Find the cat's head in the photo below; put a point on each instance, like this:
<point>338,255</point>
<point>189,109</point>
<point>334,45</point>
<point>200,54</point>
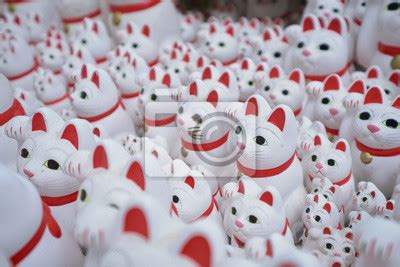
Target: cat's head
<point>177,65</point>
<point>189,26</point>
<point>271,49</point>
<point>73,63</point>
<point>48,87</point>
<point>324,187</point>
<point>36,26</point>
<point>321,51</point>
<point>222,43</point>
<point>249,216</point>
<point>16,56</point>
<point>266,80</point>
<point>388,20</point>
<point>329,108</point>
<point>326,8</point>
<point>390,84</point>
<point>245,75</point>
<point>14,24</point>
<point>307,132</point>
<point>368,197</point>
<point>329,160</point>
<point>376,123</point>
<point>52,54</point>
<point>319,212</point>
<point>139,41</point>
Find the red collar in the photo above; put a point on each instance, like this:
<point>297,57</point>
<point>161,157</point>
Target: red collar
<point>101,60</point>
<point>25,73</point>
<point>104,114</point>
<point>57,72</point>
<point>142,5</point>
<point>226,63</point>
<point>297,112</point>
<point>162,122</point>
<point>16,1</point>
<point>205,147</point>
<point>321,78</point>
<point>131,95</point>
<point>152,63</point>
<point>357,21</point>
<point>16,109</point>
<point>378,152</point>
<point>208,211</point>
<point>332,131</point>
<point>70,84</point>
<point>60,201</point>
<point>47,221</point>
<point>241,244</point>
<point>58,100</point>
<point>266,172</point>
<point>339,183</point>
<point>73,20</point>
<point>388,49</point>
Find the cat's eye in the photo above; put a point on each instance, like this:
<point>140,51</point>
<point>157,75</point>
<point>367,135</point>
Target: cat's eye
<point>250,83</point>
<point>358,193</point>
<point>24,153</point>
<point>180,110</point>
<point>51,56</point>
<point>317,218</point>
<point>114,206</point>
<point>331,162</point>
<point>207,43</point>
<point>175,199</point>
<point>321,6</point>
<point>83,195</point>
<point>391,123</point>
<point>307,210</point>
<point>315,190</point>
<point>238,129</point>
<point>118,68</point>
<point>285,92</point>
<point>123,75</point>
<point>364,116</point>
<point>314,157</point>
<point>153,97</point>
<point>5,61</point>
<point>393,6</point>
<point>364,4</point>
<point>177,71</point>
<point>267,87</point>
<point>329,246</point>
<point>324,47</point>
<point>260,140</point>
<point>52,164</point>
<point>83,41</point>
<point>252,219</point>
<point>135,45</point>
<point>325,100</point>
<point>233,211</point>
<point>197,118</point>
<point>165,67</point>
<point>245,33</point>
<point>326,196</point>
<point>277,54</point>
<point>83,95</point>
<point>221,44</point>
<point>336,10</point>
<point>364,199</point>
<point>300,45</point>
<point>347,249</point>
<point>71,66</point>
<point>260,52</point>
<point>387,91</point>
<point>142,91</point>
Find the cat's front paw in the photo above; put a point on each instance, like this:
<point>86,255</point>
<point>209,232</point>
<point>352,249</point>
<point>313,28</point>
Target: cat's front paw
<point>258,248</point>
<point>230,190</point>
<point>67,114</point>
<point>131,143</point>
<point>314,88</point>
<point>353,100</point>
<point>78,164</point>
<point>17,128</point>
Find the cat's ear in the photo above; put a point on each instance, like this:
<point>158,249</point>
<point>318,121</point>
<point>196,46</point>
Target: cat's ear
<point>212,29</point>
<point>394,78</point>
<point>310,23</point>
<point>327,230</point>
<point>39,122</point>
<point>374,72</point>
<point>84,71</point>
<point>200,62</point>
<point>276,72</point>
<point>167,80</point>
<point>193,88</point>
<point>332,82</point>
<point>338,25</point>
<point>342,145</point>
<point>267,198</point>
<point>390,204</point>
<point>357,87</point>
<point>189,180</point>
<point>135,221</point>
<point>79,133</point>
<point>146,30</point>
<point>373,96</point>
<point>135,174</point>
<point>230,31</point>
<point>95,27</point>
<point>225,79</point>
<point>207,74</point>
<point>198,248</point>
<point>186,58</point>
<point>268,35</point>
<point>348,233</point>
<point>173,54</point>
<point>297,76</point>
<point>129,28</point>
<point>213,98</point>
<point>327,207</point>
<point>70,134</point>
<point>373,194</point>
<point>245,64</point>
<point>271,197</point>
<point>241,188</point>
<point>252,106</point>
<point>317,140</point>
<point>152,74</point>
<point>100,158</point>
<point>278,117</point>
<point>96,79</point>
<point>333,188</point>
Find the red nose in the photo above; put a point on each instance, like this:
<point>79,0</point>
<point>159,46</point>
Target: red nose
<point>239,224</point>
<point>181,122</point>
<point>264,59</point>
<point>372,128</point>
<point>272,97</point>
<point>333,111</point>
<point>306,52</point>
<point>241,146</point>
<point>319,165</point>
<point>28,173</point>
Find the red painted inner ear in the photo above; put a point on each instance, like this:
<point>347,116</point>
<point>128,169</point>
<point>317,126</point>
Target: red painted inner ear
<point>274,73</point>
<point>267,36</point>
<point>96,79</point>
<point>241,187</point>
<point>278,118</point>
<point>327,207</point>
<point>206,74</point>
<point>84,73</point>
<point>341,146</point>
<point>224,79</point>
<point>152,75</point>
<point>100,159</point>
<point>373,96</point>
<point>395,78</point>
<point>245,65</point>
<point>96,132</point>
<point>70,134</point>
<point>136,175</point>
<point>269,252</point>
<point>166,80</point>
<point>332,83</point>
<point>38,123</point>
<point>308,24</point>
<point>146,30</point>
<point>372,73</point>
<point>189,181</point>
<point>316,198</point>
<point>317,140</point>
<point>357,87</point>
<point>267,198</point>
<point>213,98</point>
<point>295,76</point>
<point>198,249</point>
<point>389,205</point>
<point>252,107</point>
<point>327,231</point>
<point>334,25</point>
<point>193,88</point>
<point>135,222</point>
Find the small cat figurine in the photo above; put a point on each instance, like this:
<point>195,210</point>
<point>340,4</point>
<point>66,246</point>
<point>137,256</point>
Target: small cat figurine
<point>245,76</point>
<point>52,54</point>
<point>325,8</point>
<point>307,132</point>
<point>390,83</point>
<point>355,10</point>
<point>368,198</point>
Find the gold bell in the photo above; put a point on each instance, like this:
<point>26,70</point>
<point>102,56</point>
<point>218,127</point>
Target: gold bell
<point>12,7</point>
<point>395,63</point>
<point>146,128</point>
<point>239,174</point>
<point>366,158</point>
<point>331,137</point>
<point>116,18</point>
<point>184,153</point>
<point>66,27</point>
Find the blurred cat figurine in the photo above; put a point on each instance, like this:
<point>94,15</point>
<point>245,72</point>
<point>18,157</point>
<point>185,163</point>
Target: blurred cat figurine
<point>368,198</point>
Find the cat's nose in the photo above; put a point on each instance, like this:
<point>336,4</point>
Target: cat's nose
<point>264,59</point>
<point>372,128</point>
<point>239,224</point>
<point>319,165</point>
<point>211,49</point>
<point>327,14</point>
<point>333,111</point>
<point>181,122</point>
<point>29,174</point>
<point>272,97</point>
<point>306,53</point>
<point>337,254</point>
<point>241,146</point>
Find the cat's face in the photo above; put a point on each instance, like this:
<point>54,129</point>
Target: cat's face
<point>48,87</point>
<point>246,217</point>
<point>327,8</point>
<point>15,58</point>
<point>84,94</point>
<point>51,57</point>
<point>329,108</point>
<point>337,243</point>
<point>319,212</point>
<point>324,187</point>
<point>178,68</point>
<point>388,21</point>
<point>125,77</point>
<point>366,198</point>
<point>359,9</point>
<point>246,83</point>
<point>71,67</point>
<point>222,45</point>
<point>271,52</point>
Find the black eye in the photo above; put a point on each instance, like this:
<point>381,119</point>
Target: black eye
<point>233,211</point>
<point>180,110</point>
<point>251,83</point>
<point>307,210</point>
<point>364,4</point>
<point>114,206</point>
<point>197,118</point>
<point>71,65</point>
<point>83,195</point>
<point>83,41</point>
<point>364,199</point>
<point>321,7</point>
<point>176,70</point>
<point>347,249</point>
<point>260,52</point>
<point>324,47</point>
<point>221,44</point>
<point>135,45</point>
<point>336,10</point>
<point>52,164</point>
<point>317,218</point>
<point>24,153</point>
<point>207,43</point>
<point>325,100</point>
<point>285,92</point>
<point>300,45</point>
<point>393,6</point>
<point>329,246</point>
<point>266,88</point>
<point>123,75</point>
<point>83,95</point>
<point>175,199</point>
<point>238,129</point>
<point>142,91</point>
<point>358,193</point>
<point>326,196</point>
<point>331,162</point>
<point>391,123</point>
<point>364,116</point>
<point>260,140</point>
<point>316,190</point>
<point>51,56</point>
<point>253,219</point>
<point>118,68</point>
<point>387,91</point>
<point>277,54</point>
<point>314,157</point>
<point>153,97</point>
